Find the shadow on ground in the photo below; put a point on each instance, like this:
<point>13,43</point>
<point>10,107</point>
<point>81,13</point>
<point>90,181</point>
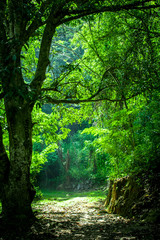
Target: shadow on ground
<point>80,219</point>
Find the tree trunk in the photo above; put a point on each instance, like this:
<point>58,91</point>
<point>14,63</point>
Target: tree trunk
<point>67,168</point>
<point>17,194</point>
<point>4,163</point>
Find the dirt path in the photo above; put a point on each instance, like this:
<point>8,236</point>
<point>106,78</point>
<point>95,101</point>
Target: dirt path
<point>80,219</point>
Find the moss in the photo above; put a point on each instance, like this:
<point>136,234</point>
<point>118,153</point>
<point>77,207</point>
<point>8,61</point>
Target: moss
<point>129,197</point>
<point>122,195</point>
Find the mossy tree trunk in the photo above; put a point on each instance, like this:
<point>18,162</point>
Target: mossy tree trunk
<point>19,99</point>
<point>17,194</point>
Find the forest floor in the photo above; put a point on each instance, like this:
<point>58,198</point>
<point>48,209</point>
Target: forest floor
<point>83,217</point>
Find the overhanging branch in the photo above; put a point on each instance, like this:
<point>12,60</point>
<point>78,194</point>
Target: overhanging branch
<point>37,22</point>
<point>58,15</point>
<point>88,100</point>
<point>43,60</point>
<point>138,5</point>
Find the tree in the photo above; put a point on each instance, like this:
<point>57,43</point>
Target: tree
<point>20,23</point>
<point>124,50</point>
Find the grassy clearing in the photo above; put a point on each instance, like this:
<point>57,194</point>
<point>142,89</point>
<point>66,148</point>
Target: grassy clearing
<point>66,199</point>
<point>64,195</point>
<point>69,198</point>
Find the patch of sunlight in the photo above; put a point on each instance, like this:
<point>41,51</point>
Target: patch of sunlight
<point>72,201</point>
<point>62,198</point>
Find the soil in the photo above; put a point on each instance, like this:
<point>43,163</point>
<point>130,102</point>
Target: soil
<point>81,219</point>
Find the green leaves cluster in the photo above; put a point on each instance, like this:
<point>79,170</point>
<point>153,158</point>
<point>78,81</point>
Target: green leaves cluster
<point>121,55</point>
<point>111,57</point>
<point>120,65</point>
<point>50,126</point>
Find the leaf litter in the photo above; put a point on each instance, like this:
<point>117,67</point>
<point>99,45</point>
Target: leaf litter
<point>78,218</point>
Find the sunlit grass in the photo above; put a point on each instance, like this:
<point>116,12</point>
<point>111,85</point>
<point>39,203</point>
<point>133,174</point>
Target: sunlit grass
<point>63,196</point>
<point>96,194</point>
<point>67,198</point>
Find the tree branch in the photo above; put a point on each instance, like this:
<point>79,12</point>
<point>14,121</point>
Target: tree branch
<point>112,8</point>
<point>3,36</point>
<point>43,62</point>
<point>82,60</point>
<point>58,14</point>
<point>37,22</point>
<point>54,89</point>
<point>77,101</point>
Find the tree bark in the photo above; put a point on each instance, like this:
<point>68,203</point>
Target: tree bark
<point>17,194</point>
<point>4,163</point>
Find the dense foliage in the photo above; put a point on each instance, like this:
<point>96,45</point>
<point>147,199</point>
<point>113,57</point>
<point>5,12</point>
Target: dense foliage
<point>120,61</point>
<point>67,62</point>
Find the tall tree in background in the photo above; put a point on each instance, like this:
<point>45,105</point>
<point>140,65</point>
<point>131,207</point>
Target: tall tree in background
<point>20,21</point>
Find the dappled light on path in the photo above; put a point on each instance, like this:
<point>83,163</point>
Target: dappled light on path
<point>79,218</point>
